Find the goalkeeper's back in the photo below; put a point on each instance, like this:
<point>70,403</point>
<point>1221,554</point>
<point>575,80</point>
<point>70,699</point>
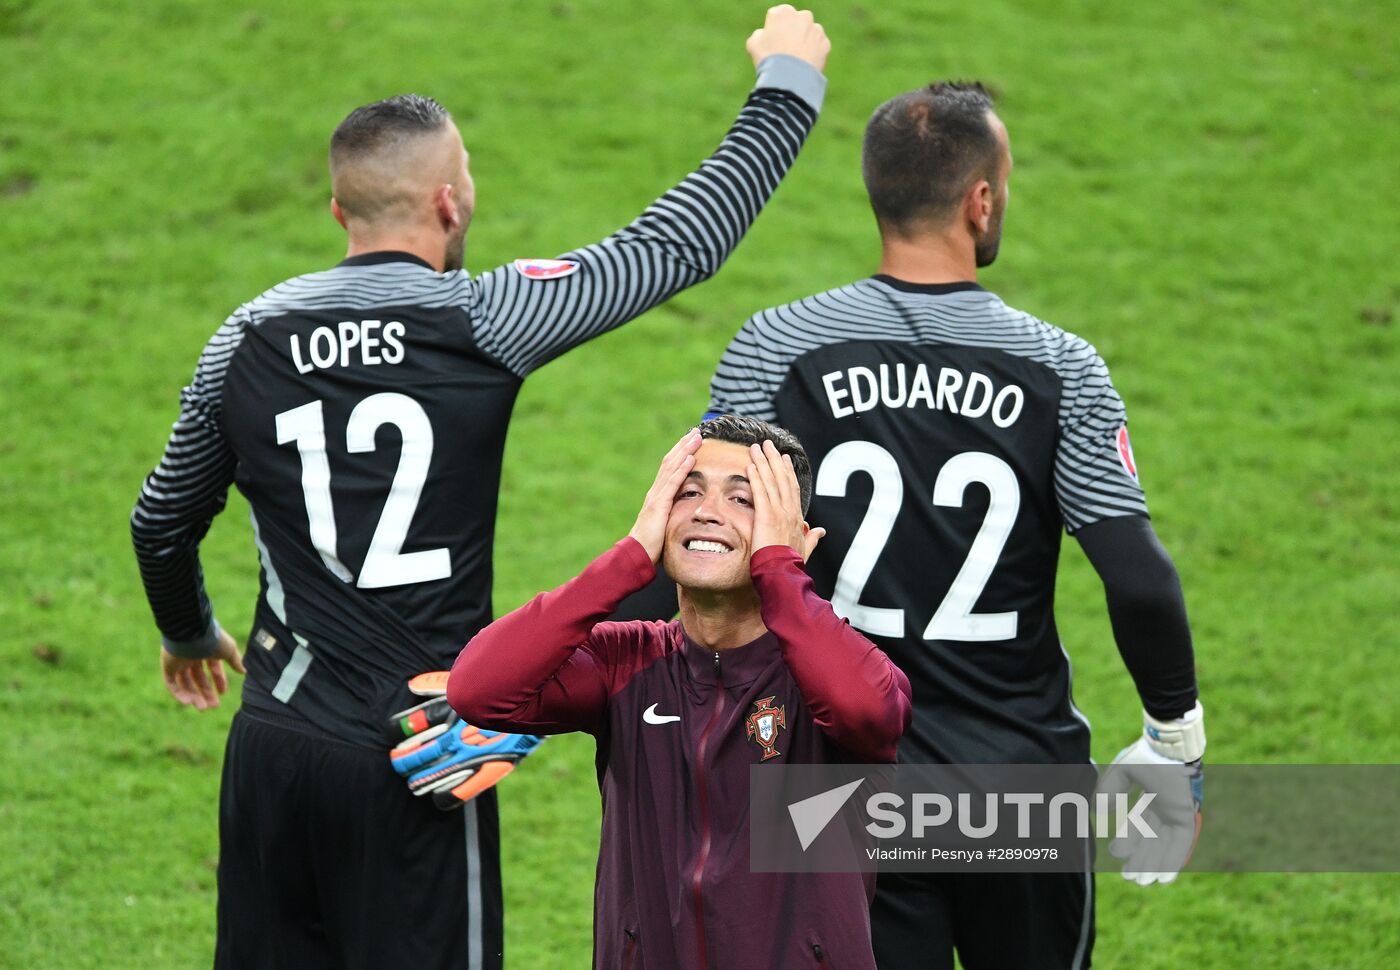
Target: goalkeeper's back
<point>954,438</point>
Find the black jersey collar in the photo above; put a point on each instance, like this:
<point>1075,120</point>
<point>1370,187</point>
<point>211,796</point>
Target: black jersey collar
<point>385,256</point>
<point>935,288</point>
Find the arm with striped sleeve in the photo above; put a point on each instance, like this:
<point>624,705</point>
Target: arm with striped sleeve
<point>178,503</point>
<point>1103,506</point>
<point>749,373</point>
<point>1095,477</point>
<point>681,239</point>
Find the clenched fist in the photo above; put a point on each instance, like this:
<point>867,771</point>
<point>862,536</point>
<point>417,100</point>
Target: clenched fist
<point>790,31</point>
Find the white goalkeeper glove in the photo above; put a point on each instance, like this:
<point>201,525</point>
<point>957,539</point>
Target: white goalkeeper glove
<point>1166,762</point>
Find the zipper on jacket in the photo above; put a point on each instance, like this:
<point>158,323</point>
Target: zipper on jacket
<point>701,786</point>
<point>820,954</point>
<point>630,950</point>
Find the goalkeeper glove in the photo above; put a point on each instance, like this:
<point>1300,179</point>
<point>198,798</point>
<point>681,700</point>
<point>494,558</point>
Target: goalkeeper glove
<point>441,755</point>
<point>1166,762</point>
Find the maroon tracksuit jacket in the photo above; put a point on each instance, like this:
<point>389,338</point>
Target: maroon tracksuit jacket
<point>674,890</point>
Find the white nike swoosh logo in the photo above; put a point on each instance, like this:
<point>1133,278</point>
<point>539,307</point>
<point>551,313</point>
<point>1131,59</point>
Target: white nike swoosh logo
<point>651,717</point>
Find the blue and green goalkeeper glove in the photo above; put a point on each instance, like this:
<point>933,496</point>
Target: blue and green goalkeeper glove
<point>441,755</point>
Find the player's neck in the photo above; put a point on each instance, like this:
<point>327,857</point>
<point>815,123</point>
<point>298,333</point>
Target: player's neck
<point>425,245</point>
<point>721,620</point>
<point>932,258</point>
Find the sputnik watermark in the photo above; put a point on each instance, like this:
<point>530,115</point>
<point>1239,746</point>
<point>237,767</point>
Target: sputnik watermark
<point>818,818</point>
<point>893,817</point>
<point>929,810</point>
<point>1067,818</point>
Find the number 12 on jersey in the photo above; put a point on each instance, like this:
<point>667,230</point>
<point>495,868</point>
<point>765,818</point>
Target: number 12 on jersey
<point>954,618</point>
<point>385,564</point>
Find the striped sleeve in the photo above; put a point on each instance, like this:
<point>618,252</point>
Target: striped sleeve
<point>758,360</point>
<point>748,376</point>
<point>180,499</point>
<point>680,240</point>
<point>1095,477</point>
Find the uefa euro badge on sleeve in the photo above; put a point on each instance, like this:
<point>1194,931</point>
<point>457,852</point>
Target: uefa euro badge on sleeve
<point>441,755</point>
<point>545,269</point>
<point>1125,452</point>
<point>1165,764</point>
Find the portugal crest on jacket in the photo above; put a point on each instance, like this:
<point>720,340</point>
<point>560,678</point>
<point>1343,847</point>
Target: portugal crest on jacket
<point>763,725</point>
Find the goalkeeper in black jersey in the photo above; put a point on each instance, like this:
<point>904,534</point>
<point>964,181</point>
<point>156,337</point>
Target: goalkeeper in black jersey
<point>955,438</point>
<point>362,411</point>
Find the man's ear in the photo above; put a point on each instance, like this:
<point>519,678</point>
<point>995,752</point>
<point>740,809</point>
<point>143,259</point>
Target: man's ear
<point>339,214</point>
<point>978,205</point>
<point>446,206</point>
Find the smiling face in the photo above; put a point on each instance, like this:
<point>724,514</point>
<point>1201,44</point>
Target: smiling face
<point>709,533</point>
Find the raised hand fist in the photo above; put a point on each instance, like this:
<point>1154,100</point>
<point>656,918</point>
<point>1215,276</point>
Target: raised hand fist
<point>790,31</point>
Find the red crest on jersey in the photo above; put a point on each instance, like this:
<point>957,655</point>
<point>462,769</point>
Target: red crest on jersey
<point>1125,452</point>
<point>545,269</point>
<point>763,724</point>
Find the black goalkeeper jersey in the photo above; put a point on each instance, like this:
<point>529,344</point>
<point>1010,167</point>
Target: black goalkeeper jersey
<point>953,439</point>
<point>363,410</point>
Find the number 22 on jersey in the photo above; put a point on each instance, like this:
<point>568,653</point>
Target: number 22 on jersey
<point>385,563</point>
<point>954,618</point>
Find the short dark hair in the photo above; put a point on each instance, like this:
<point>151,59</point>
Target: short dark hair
<point>925,148</point>
<point>373,126</point>
<point>751,431</point>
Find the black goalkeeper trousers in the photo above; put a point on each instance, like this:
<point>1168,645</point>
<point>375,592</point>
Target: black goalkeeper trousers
<point>995,921</point>
<point>326,861</point>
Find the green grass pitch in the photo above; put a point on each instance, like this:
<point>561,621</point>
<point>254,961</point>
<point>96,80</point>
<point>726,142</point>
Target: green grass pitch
<point>1207,191</point>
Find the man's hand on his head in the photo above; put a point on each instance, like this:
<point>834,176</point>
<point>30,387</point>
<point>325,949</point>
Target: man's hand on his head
<point>650,528</point>
<point>777,503</point>
<point>789,31</point>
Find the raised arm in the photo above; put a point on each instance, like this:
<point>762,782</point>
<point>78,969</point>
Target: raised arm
<point>682,237</point>
<point>857,695</point>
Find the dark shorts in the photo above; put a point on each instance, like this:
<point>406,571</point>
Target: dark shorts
<point>995,921</point>
<point>326,861</point>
